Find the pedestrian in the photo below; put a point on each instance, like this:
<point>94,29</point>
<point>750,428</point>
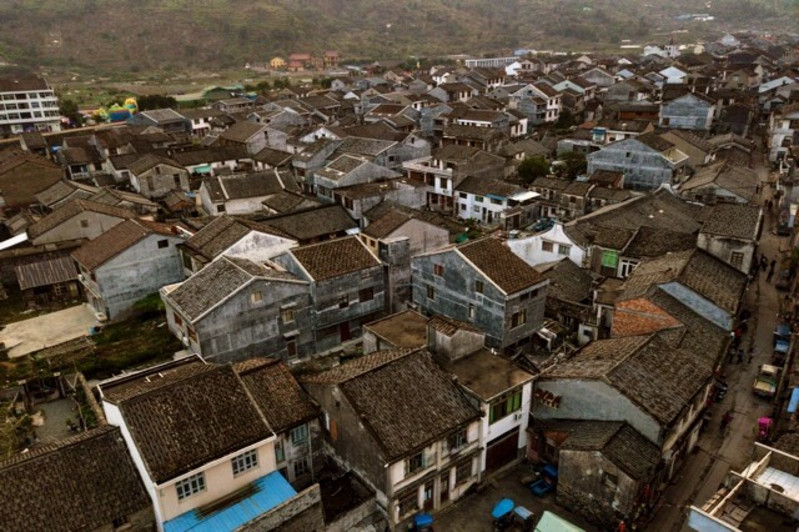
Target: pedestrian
<point>770,205</point>
<point>770,271</point>
<point>763,262</point>
<point>751,355</point>
<point>740,356</point>
<point>725,420</point>
<point>757,189</point>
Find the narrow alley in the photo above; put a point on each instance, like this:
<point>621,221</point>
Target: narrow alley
<point>716,452</point>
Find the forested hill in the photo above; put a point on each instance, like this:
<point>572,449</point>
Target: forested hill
<point>192,34</point>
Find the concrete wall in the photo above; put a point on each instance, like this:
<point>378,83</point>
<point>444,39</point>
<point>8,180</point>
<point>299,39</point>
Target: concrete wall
<point>139,271</point>
<point>96,225</point>
<point>595,400</point>
<point>531,250</point>
<point>307,451</point>
<point>687,112</point>
<point>643,167</point>
<point>159,180</point>
<point>454,295</point>
<point>301,513</point>
<point>582,487</point>
<point>505,425</point>
<point>723,248</point>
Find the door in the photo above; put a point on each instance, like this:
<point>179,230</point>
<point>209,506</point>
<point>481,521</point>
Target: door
<point>428,503</point>
<point>344,331</point>
<point>502,450</point>
<point>291,348</point>
<point>444,488</point>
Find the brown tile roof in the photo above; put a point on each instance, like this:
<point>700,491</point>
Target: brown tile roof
<point>23,175</point>
<point>568,282</point>
<point>737,179</point>
<point>656,242</point>
<point>242,131</point>
<point>333,258</point>
<point>277,394</point>
<point>635,317</point>
<point>654,141</point>
<point>82,483</point>
<point>223,232</point>
<point>732,220</point>
<point>510,273</point>
<point>405,400</point>
<point>46,272</point>
<point>450,326</point>
<point>116,240</point>
<point>311,224</point>
<point>74,208</point>
<point>189,422</point>
<point>403,329</point>
<point>386,224</point>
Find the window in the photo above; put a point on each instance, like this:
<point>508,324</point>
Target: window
<point>366,294</point>
<point>666,121</point>
<point>220,207</point>
<point>431,292</point>
<point>414,463</point>
<point>299,435</point>
<point>476,208</point>
<point>471,311</point>
<point>343,301</point>
<point>256,296</point>
<point>479,287</point>
<point>463,472</point>
<point>163,244</point>
<point>287,315</point>
<point>547,246</point>
<point>438,270</point>
<point>496,201</point>
<point>518,319</point>
<point>280,454</point>
<point>178,321</point>
<point>301,467</point>
<point>736,258</point>
<point>84,223</point>
<point>478,199</point>
<point>504,406</point>
<point>409,503</point>
<point>609,480</point>
<point>463,195</point>
<point>628,155</point>
<point>610,259</point>
<point>564,249</point>
<point>244,462</point>
<point>291,348</point>
<point>190,486</point>
<point>458,440</point>
<point>187,261</point>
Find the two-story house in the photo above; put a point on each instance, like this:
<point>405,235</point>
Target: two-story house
<point>126,263</point>
<point>482,283</point>
<point>494,202</point>
<point>153,175</point>
<point>690,111</point>
<point>202,446</point>
<point>347,287</point>
<point>77,219</point>
<point>400,422</point>
<point>235,308</point>
<point>647,161</point>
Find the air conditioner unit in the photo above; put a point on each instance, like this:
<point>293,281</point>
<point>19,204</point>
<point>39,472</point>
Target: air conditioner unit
<point>517,416</point>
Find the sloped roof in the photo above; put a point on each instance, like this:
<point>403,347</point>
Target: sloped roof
<point>150,160</point>
<point>635,317</point>
<point>221,233</point>
<point>46,272</point>
<point>737,179</point>
<point>567,281</point>
<point>510,273</point>
<point>81,483</point>
<point>73,208</point>
<point>116,240</point>
<point>334,258</point>
<point>404,399</point>
<point>277,394</point>
<point>732,220</point>
<point>191,421</point>
<point>242,131</point>
<point>313,223</point>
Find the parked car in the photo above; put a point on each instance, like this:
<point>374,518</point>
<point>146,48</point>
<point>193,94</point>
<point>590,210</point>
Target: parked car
<point>543,224</point>
<point>766,381</point>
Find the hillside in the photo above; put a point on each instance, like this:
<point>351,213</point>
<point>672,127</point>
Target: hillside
<point>134,35</point>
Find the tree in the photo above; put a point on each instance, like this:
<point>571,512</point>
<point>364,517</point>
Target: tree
<point>575,164</point>
<point>69,109</point>
<point>565,119</point>
<point>532,168</point>
<point>156,101</point>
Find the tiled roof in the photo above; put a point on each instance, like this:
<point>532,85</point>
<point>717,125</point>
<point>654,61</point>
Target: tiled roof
<point>568,282</point>
<point>656,242</point>
<point>277,394</point>
<point>73,208</point>
<point>450,326</point>
<point>510,273</point>
<point>386,224</point>
<point>635,317</point>
<point>406,400</point>
<point>333,258</point>
<point>150,160</point>
<point>737,179</point>
<point>242,131</point>
<point>286,201</point>
<point>189,422</point>
<point>82,483</point>
<point>364,146</point>
<point>732,220</point>
<point>116,240</point>
<point>482,186</point>
<point>313,223</point>
<point>244,186</point>
<point>46,272</point>
<point>223,232</point>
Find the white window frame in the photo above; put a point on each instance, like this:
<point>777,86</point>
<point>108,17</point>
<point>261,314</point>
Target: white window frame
<point>299,440</point>
<point>190,486</point>
<point>244,462</point>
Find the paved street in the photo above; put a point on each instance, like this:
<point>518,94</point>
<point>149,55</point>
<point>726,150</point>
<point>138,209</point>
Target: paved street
<point>716,454</point>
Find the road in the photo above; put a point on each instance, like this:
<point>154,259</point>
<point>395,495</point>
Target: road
<point>717,453</point>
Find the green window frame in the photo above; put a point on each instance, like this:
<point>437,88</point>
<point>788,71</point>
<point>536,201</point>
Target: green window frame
<point>610,258</point>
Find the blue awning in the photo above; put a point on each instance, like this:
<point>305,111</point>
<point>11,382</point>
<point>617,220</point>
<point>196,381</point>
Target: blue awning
<point>794,402</point>
<point>271,491</point>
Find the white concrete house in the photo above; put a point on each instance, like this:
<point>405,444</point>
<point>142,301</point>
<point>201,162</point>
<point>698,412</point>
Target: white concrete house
<point>549,246</point>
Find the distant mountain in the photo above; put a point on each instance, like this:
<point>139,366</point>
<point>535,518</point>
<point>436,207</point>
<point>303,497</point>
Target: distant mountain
<point>200,34</point>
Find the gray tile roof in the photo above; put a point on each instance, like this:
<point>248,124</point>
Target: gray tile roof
<point>732,220</point>
<point>82,483</point>
<point>500,265</point>
<point>334,258</point>
<point>72,209</point>
<point>568,282</point>
<point>221,233</point>
<point>116,240</point>
<point>313,223</point>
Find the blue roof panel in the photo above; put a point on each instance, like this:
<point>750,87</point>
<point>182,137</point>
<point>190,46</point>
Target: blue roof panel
<point>794,402</point>
<point>271,490</point>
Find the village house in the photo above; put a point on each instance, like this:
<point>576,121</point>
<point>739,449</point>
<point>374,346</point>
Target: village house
<point>24,175</point>
<point>238,194</point>
<point>167,120</point>
<point>235,308</point>
<point>647,161</point>
<point>721,182</point>
<point>347,287</point>
<point>731,233</point>
<point>316,223</point>
<point>153,176</point>
<point>494,202</point>
<point>92,484</point>
<point>700,151</point>
<point>49,280</point>
<point>690,111</point>
<point>551,245</point>
<point>75,220</point>
<point>165,410</point>
<point>427,464</point>
<point>459,282</point>
<point>406,329</point>
<point>570,296</point>
<point>131,260</point>
<point>348,170</point>
<point>253,136</point>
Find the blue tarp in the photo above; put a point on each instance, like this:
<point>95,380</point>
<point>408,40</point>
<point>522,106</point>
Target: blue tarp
<point>504,506</point>
<point>271,491</point>
<point>794,402</point>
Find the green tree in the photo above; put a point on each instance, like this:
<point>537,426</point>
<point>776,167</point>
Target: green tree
<point>565,119</point>
<point>532,168</point>
<point>156,101</point>
<point>69,109</point>
<point>575,164</point>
